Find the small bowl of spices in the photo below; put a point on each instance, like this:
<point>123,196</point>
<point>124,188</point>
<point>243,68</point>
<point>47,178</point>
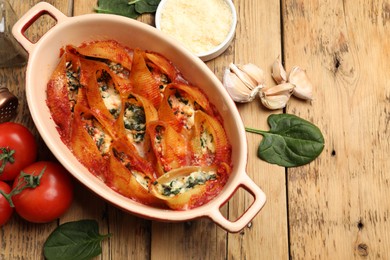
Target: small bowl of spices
<point>205,27</point>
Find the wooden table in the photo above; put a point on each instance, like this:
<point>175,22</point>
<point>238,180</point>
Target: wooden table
<point>337,207</point>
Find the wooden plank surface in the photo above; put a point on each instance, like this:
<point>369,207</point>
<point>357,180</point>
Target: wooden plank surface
<point>334,208</point>
<point>136,238</point>
<point>20,239</point>
<point>258,41</point>
<point>339,205</point>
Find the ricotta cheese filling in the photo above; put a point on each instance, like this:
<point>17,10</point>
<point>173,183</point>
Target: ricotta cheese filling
<point>73,82</point>
<point>118,69</point>
<point>139,176</point>
<point>111,99</point>
<point>207,142</point>
<point>135,125</point>
<point>183,109</point>
<point>185,183</point>
<point>101,139</point>
<point>141,179</point>
<point>135,122</point>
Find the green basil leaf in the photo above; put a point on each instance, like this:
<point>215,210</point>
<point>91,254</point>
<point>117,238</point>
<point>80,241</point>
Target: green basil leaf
<point>291,141</point>
<point>119,7</point>
<point>76,240</point>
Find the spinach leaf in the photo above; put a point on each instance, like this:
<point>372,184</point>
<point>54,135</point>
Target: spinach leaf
<point>131,9</point>
<point>76,240</point>
<point>119,7</point>
<point>145,6</point>
<point>291,141</point>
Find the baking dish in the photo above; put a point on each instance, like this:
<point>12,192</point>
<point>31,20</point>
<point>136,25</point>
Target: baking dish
<point>44,57</point>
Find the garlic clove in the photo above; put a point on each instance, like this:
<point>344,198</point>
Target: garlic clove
<point>276,97</point>
<point>245,78</point>
<point>284,88</point>
<point>237,90</point>
<point>254,72</point>
<point>278,72</point>
<point>303,86</point>
<point>275,102</point>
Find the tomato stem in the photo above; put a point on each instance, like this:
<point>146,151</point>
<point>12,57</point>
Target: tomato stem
<point>8,196</point>
<point>5,157</point>
<point>25,180</point>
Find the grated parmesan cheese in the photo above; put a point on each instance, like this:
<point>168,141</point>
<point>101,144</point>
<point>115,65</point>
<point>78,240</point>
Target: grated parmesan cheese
<point>201,25</point>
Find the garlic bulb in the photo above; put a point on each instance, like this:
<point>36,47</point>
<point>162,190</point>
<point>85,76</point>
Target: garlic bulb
<point>303,86</point>
<point>243,82</point>
<point>276,97</point>
<point>278,72</point>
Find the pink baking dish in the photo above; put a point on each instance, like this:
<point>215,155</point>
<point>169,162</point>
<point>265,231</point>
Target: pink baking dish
<point>44,57</point>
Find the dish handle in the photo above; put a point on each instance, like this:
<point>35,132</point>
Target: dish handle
<point>259,200</point>
<point>30,17</point>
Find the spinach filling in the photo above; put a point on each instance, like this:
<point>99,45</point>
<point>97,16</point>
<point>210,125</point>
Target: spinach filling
<point>177,97</point>
<point>177,186</point>
<point>207,141</point>
<point>118,69</point>
<point>73,83</point>
<point>110,95</point>
<point>135,121</point>
<point>100,138</point>
<point>139,176</point>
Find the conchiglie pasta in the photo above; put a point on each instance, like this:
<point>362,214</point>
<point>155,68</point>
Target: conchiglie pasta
<point>209,142</point>
<point>170,148</point>
<point>62,92</point>
<point>179,105</point>
<point>109,51</point>
<point>161,68</point>
<point>136,113</point>
<point>142,79</point>
<point>179,187</point>
<point>90,141</point>
<point>130,175</point>
<point>131,118</point>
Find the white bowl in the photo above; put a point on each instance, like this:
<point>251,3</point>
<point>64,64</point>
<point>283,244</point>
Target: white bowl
<point>43,59</point>
<point>216,51</point>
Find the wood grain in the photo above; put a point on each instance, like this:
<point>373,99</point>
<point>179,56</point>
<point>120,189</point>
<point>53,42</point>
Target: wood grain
<point>20,239</point>
<point>336,207</point>
<point>258,41</point>
<point>137,238</point>
<point>339,205</point>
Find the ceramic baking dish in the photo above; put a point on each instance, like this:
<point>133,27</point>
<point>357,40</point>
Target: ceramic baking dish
<point>44,57</point>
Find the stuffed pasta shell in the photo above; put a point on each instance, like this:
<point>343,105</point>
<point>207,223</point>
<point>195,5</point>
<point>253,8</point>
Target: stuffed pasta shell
<point>134,121</point>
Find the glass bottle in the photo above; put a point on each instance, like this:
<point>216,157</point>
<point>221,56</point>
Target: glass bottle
<point>11,53</point>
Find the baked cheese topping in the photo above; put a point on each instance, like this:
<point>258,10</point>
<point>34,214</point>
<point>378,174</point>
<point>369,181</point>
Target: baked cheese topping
<point>201,25</point>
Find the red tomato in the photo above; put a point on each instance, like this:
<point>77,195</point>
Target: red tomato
<point>50,199</point>
<point>5,209</point>
<point>17,139</point>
